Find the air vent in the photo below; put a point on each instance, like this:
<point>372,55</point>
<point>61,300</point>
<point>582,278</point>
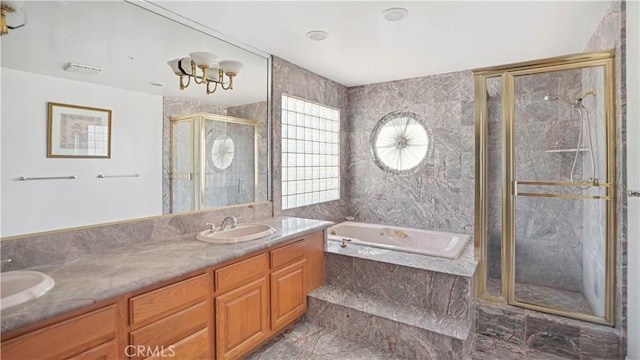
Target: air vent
<point>81,69</point>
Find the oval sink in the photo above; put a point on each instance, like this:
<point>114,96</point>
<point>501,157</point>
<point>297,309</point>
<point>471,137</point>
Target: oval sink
<point>241,233</point>
<point>18,287</point>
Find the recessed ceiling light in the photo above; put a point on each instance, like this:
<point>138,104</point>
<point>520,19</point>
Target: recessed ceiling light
<point>317,35</point>
<point>395,14</point>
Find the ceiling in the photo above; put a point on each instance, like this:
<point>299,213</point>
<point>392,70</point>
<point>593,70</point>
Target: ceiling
<point>130,44</point>
<point>436,37</point>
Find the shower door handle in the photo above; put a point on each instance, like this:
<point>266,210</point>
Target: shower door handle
<point>633,193</point>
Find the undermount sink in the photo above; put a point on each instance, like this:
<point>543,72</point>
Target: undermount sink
<point>241,233</point>
<point>18,287</point>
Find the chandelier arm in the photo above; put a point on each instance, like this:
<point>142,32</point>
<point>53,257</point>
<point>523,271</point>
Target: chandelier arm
<point>229,86</point>
<point>203,78</point>
<point>182,84</point>
<point>214,88</point>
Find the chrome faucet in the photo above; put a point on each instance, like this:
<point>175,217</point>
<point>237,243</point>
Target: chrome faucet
<point>225,222</point>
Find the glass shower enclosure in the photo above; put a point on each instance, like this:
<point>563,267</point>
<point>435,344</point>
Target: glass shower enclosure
<point>213,162</point>
<point>545,170</point>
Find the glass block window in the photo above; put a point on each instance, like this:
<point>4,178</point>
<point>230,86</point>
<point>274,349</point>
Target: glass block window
<point>310,153</point>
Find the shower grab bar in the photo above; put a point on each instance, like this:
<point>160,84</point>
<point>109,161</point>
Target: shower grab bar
<point>554,183</point>
<point>70,177</point>
<point>101,176</point>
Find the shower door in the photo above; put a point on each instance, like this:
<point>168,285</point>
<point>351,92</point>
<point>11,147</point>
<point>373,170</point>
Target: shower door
<point>559,137</point>
<point>545,185</point>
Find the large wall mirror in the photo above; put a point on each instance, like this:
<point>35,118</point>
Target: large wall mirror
<point>120,57</point>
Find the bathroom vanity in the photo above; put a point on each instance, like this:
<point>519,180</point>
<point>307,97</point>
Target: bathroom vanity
<point>221,311</point>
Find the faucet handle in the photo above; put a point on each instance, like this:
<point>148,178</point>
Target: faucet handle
<point>235,223</point>
<point>212,227</point>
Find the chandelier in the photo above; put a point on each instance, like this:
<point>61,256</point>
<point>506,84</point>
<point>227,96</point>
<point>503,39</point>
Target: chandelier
<point>11,16</point>
<point>203,69</point>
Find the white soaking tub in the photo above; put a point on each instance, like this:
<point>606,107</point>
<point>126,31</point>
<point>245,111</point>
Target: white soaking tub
<point>427,242</point>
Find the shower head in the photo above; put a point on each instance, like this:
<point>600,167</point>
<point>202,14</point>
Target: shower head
<point>579,100</point>
<point>548,97</point>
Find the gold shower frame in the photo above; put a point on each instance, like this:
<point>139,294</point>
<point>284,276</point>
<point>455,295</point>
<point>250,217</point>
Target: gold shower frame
<point>198,128</point>
<point>509,185</point>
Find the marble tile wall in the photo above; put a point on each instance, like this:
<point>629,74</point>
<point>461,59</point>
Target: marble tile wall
<point>609,34</point>
<point>64,246</point>
<point>445,295</point>
<point>439,196</point>
<point>293,80</point>
<point>568,338</point>
<point>258,112</point>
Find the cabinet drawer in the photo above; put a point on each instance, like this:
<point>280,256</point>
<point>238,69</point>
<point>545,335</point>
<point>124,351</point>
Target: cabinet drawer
<point>65,339</point>
<point>172,329</point>
<point>159,303</point>
<point>107,351</point>
<point>193,347</point>
<point>232,276</point>
<point>288,254</point>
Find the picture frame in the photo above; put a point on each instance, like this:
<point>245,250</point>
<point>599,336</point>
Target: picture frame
<point>78,132</point>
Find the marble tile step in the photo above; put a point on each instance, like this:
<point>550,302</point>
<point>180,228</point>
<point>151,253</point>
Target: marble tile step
<point>405,332</point>
<point>420,318</point>
<point>445,294</point>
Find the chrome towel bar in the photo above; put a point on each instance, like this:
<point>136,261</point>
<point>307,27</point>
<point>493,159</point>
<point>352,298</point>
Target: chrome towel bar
<point>70,177</point>
<point>101,176</point>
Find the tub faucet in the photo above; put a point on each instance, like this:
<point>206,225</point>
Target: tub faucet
<point>225,222</point>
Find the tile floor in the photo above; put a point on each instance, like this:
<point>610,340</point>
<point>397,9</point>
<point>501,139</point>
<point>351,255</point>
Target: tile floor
<point>305,341</point>
<point>569,300</point>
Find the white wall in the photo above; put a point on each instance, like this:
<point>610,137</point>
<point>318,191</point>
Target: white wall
<point>633,178</point>
<point>136,147</point>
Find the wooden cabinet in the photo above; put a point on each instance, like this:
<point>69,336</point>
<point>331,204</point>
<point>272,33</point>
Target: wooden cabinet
<point>89,336</point>
<point>242,314</point>
<point>221,312</point>
<point>315,260</point>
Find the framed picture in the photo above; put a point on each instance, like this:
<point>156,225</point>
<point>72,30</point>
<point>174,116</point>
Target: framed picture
<point>78,132</point>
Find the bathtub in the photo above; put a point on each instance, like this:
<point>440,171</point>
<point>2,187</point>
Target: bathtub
<point>426,242</point>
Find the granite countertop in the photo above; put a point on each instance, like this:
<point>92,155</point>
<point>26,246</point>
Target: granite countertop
<point>90,279</point>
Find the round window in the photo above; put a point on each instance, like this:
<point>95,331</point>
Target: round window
<point>222,151</point>
<point>401,143</point>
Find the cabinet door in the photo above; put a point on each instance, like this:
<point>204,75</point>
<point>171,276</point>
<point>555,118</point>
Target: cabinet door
<point>242,319</point>
<point>288,297</point>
